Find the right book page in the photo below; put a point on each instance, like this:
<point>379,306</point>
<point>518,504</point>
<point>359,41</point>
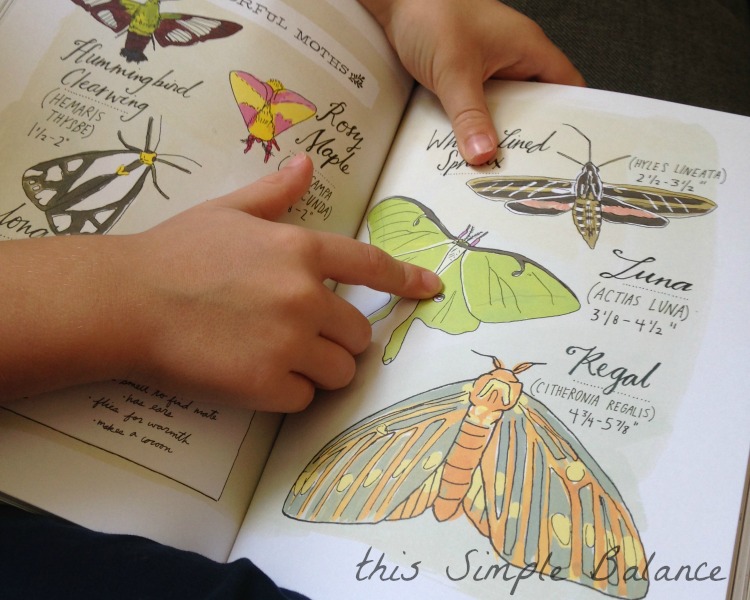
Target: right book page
<point>567,416</point>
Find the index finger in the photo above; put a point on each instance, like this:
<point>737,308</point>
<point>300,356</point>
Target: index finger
<point>350,261</point>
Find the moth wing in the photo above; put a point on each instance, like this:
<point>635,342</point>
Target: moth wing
<point>113,13</point>
<point>289,108</point>
<point>250,93</point>
<point>448,311</point>
<point>501,287</point>
<point>616,210</point>
<point>85,193</point>
<point>130,5</point>
<point>527,195</point>
<point>542,499</point>
<point>48,183</point>
<point>409,231</point>
<point>412,233</point>
<point>490,286</point>
<point>185,30</point>
<point>76,218</point>
<point>493,286</point>
<point>387,466</point>
<point>669,205</point>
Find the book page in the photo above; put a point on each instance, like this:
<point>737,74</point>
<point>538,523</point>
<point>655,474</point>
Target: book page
<point>566,418</point>
<point>115,127</point>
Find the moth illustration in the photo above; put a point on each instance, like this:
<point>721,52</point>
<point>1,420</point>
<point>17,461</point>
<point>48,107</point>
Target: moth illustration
<point>589,199</point>
<point>268,109</point>
<point>145,22</point>
<point>89,192</point>
<point>485,450</point>
<point>480,285</point>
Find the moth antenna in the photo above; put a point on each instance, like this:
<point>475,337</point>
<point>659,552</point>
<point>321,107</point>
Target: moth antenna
<point>477,238</point>
<point>583,135</point>
<point>613,160</point>
<point>589,142</point>
<point>578,162</point>
<point>465,232</point>
<point>495,360</point>
<point>148,135</point>
<point>158,140</point>
<point>161,159</point>
<point>175,165</point>
<point>521,367</point>
<point>124,143</point>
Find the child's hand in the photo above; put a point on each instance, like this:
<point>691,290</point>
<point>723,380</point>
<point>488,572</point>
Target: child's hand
<point>232,305</point>
<point>218,302</point>
<point>453,46</point>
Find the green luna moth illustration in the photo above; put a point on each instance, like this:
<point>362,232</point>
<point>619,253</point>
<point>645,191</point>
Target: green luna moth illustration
<point>480,285</point>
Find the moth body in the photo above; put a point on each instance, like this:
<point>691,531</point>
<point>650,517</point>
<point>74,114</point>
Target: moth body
<point>145,19</point>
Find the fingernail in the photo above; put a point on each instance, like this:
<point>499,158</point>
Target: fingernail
<point>295,161</point>
<point>431,282</point>
<point>477,145</point>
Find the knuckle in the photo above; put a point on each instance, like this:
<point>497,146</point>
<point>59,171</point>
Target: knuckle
<point>362,336</point>
<point>339,372</point>
<point>535,30</point>
<point>297,241</point>
<point>345,371</point>
<point>301,399</point>
<point>305,297</point>
<point>301,297</point>
<point>469,118</point>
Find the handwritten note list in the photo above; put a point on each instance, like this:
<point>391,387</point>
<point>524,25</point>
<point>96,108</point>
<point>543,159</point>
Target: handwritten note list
<point>191,442</point>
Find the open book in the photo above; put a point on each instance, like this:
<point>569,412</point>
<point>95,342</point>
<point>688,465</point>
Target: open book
<point>567,417</point>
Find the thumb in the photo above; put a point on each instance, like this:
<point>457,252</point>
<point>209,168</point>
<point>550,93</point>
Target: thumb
<point>269,196</point>
<point>462,97</point>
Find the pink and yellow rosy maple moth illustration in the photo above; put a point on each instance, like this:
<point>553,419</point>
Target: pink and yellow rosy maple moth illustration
<point>268,109</point>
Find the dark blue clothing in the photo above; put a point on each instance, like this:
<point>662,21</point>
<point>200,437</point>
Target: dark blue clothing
<point>46,558</point>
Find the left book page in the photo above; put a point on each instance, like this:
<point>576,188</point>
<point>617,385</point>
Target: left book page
<point>118,115</point>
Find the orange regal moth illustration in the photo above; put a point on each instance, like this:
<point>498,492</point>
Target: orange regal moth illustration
<point>485,450</point>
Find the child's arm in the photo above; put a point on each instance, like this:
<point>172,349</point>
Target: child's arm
<point>218,301</point>
<point>453,46</point>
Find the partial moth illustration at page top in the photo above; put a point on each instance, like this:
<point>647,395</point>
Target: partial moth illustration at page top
<point>145,24</point>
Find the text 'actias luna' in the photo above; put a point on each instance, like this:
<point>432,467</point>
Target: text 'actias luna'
<point>480,285</point>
